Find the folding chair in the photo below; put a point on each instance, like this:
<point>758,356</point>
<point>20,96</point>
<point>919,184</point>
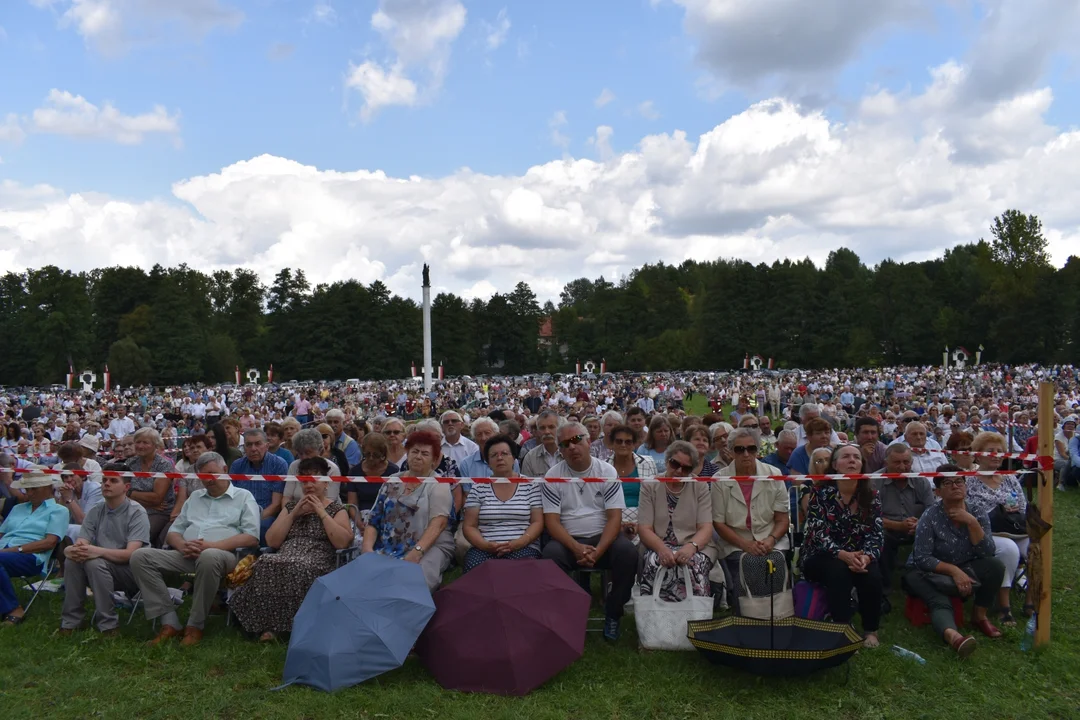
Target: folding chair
<point>50,568</point>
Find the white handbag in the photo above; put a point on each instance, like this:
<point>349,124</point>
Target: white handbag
<point>771,602</point>
<point>661,625</point>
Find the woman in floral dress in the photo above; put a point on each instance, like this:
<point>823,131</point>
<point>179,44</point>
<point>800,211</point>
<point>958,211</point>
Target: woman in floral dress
<point>843,540</point>
<point>306,534</point>
<point>410,520</point>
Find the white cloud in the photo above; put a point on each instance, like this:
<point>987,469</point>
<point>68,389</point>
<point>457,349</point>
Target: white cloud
<point>112,26</point>
<point>648,110</point>
<point>11,129</point>
<point>324,13</point>
<point>73,115</point>
<point>773,181</point>
<point>420,34</point>
<point>381,87</point>
<point>495,33</point>
<point>605,97</point>
<point>602,141</point>
<point>555,125</point>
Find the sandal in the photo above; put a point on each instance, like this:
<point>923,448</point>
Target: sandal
<point>13,619</point>
<point>1006,619</point>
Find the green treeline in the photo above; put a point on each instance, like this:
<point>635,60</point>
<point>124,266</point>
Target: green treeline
<point>175,325</point>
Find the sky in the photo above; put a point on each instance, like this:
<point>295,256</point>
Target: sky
<point>536,141</point>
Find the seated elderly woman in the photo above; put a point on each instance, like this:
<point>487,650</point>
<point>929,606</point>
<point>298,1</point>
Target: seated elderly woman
<point>629,464</point>
<point>698,436</point>
<point>683,512</point>
<point>27,537</point>
<point>820,464</point>
<point>954,544</point>
<point>373,450</point>
<point>656,442</point>
<point>1002,498</point>
<point>750,516</point>
<point>306,535</point>
<point>154,494</point>
<point>843,537</point>
<point>502,520</point>
<point>957,448</point>
<point>719,432</point>
<point>410,520</point>
<point>309,444</point>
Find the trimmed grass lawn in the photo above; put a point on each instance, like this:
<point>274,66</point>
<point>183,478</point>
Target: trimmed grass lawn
<point>45,676</point>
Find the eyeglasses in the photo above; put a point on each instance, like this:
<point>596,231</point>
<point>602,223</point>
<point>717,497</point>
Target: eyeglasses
<point>952,482</point>
<point>571,441</point>
<point>623,441</point>
<point>745,449</point>
<point>392,432</point>
<point>450,421</point>
<point>676,465</point>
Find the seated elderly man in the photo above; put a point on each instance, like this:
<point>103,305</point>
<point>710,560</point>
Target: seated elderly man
<point>336,420</point>
<point>213,524</point>
<point>926,453</point>
<point>258,460</point>
<point>545,454</point>
<point>903,501</point>
<point>110,532</point>
<point>482,430</point>
<point>585,521</point>
<point>27,538</point>
<point>78,493</point>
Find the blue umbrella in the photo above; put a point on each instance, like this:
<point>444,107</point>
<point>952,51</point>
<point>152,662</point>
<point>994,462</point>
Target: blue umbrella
<point>358,622</point>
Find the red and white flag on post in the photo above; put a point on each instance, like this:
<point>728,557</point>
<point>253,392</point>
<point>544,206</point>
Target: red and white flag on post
<point>270,374</point>
<point>70,376</point>
<point>108,379</point>
<point>441,371</point>
<point>413,369</point>
<point>237,374</point>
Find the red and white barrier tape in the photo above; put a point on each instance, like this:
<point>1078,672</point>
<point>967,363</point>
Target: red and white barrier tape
<point>454,480</point>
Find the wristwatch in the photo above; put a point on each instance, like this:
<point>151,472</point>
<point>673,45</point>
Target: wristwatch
<point>20,548</point>
<point>696,546</point>
<point>419,549</point>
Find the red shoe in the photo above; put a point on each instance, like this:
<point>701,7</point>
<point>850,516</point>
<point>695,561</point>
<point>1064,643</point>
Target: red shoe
<point>168,632</point>
<point>986,628</point>
<point>963,646</point>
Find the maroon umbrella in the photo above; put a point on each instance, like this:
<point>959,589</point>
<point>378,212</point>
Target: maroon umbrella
<point>505,628</point>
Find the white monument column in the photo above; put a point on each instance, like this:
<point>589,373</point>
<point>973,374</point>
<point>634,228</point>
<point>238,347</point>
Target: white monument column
<point>427,331</point>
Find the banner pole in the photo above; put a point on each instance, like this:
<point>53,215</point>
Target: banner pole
<point>1046,509</point>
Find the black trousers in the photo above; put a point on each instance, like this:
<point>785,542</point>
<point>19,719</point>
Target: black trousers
<point>988,571</point>
<point>621,559</point>
<point>893,542</point>
<point>838,579</point>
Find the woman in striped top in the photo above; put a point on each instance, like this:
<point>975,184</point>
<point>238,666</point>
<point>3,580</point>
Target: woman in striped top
<point>502,521</point>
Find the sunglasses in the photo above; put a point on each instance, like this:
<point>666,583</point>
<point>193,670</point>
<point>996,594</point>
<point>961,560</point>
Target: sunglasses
<point>676,465</point>
<point>392,432</point>
<point>745,449</point>
<point>622,441</point>
<point>571,441</point>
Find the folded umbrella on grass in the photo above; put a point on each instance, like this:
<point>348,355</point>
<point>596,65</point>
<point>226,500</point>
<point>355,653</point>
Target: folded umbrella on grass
<point>505,628</point>
<point>787,646</point>
<point>358,622</point>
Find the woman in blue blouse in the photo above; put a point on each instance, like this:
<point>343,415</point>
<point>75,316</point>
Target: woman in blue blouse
<point>842,544</point>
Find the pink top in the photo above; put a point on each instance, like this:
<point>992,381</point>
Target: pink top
<point>747,490</point>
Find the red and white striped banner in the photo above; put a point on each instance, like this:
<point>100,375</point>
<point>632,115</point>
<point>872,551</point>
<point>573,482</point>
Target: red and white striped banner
<point>454,480</point>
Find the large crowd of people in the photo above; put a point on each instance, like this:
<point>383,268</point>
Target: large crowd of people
<point>115,533</point>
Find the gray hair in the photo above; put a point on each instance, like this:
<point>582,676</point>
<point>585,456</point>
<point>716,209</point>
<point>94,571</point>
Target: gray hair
<point>740,433</point>
<point>449,413</point>
<point>576,426</point>
<point>393,419</point>
<point>808,408</point>
<point>913,423</point>
<point>717,426</point>
<point>307,439</point>
<point>788,435</point>
<point>482,421</point>
<point>681,446</point>
<point>612,415</point>
<point>548,412</point>
<point>896,449</point>
<point>335,413</point>
<point>430,425</point>
<point>208,458</point>
<point>254,433</point>
<point>152,434</point>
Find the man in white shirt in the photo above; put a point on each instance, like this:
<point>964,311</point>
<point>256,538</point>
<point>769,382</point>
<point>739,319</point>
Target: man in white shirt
<point>455,445</point>
<point>924,456</point>
<point>584,521</point>
<point>808,412</point>
<point>121,425</point>
<point>214,523</point>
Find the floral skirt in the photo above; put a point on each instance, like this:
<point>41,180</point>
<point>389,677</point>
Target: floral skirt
<point>673,589</point>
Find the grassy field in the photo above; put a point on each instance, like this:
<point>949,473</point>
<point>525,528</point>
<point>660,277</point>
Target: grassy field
<point>43,675</point>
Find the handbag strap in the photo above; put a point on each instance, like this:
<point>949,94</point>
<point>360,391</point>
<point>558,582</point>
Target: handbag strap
<point>661,576</point>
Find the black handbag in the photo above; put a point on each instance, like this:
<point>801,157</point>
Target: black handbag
<point>946,585</point>
<point>1009,523</point>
